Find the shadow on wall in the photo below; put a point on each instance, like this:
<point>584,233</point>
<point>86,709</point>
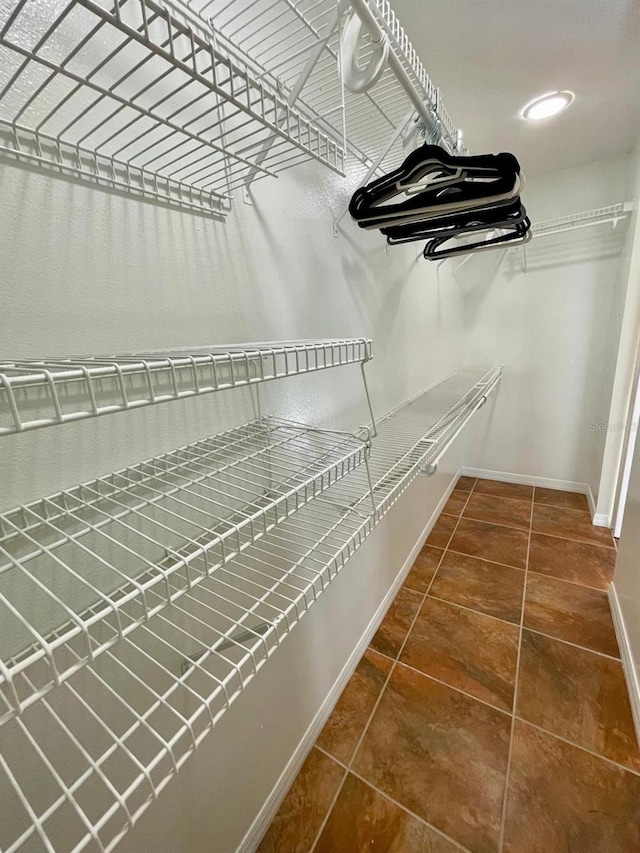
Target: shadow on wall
<point>474,274</point>
<point>571,247</point>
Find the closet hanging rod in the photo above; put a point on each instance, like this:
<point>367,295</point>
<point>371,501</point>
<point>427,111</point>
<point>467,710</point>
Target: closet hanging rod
<point>36,393</point>
<point>429,116</point>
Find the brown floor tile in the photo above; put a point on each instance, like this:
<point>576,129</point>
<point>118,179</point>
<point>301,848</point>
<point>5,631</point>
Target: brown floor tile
<point>491,542</point>
<point>569,524</point>
<point>390,635</point>
<point>363,821</point>
<point>563,800</point>
<point>424,568</point>
<point>351,714</point>
<point>570,612</point>
<point>578,562</point>
<point>440,754</point>
<point>467,650</point>
<point>442,530</point>
<point>504,490</point>
<point>456,502</point>
<point>465,484</point>
<point>554,497</point>
<point>505,511</point>
<point>578,695</point>
<point>300,816</point>
<point>480,585</point>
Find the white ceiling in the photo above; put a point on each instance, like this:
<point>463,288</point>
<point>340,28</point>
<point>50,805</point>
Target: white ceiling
<point>490,57</point>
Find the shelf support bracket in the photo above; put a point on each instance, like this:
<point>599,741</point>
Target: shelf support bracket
<point>398,130</point>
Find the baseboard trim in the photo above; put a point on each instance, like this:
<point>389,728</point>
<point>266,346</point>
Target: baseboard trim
<point>261,823</point>
<point>631,673</point>
<point>592,502</point>
<point>526,480</point>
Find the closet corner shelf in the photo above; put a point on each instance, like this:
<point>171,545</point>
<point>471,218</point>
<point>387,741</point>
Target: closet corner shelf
<point>108,738</point>
<point>136,96</point>
<point>38,393</point>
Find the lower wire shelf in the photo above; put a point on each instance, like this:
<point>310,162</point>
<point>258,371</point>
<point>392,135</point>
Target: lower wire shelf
<point>81,570</point>
<point>80,765</point>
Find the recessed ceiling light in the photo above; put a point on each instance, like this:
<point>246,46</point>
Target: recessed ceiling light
<point>547,105</point>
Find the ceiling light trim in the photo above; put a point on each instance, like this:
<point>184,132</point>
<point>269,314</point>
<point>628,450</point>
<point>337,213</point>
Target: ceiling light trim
<point>547,106</point>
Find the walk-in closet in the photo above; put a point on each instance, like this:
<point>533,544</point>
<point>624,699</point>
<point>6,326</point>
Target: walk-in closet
<point>319,392</point>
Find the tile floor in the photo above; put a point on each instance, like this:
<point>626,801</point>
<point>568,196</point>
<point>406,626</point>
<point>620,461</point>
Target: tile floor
<point>490,712</point>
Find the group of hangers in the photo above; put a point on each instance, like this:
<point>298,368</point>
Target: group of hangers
<point>458,204</point>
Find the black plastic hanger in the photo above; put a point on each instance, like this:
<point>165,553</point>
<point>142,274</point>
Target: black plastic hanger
<point>507,214</point>
<point>520,232</point>
<point>457,183</point>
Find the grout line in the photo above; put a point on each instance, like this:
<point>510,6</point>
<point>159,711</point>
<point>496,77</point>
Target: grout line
<point>579,746</point>
<point>473,610</point>
<point>413,814</point>
<point>381,694</point>
<point>573,583</point>
<point>525,627</point>
<point>507,777</point>
<point>484,559</point>
<point>456,689</point>
<point>332,803</point>
<point>611,547</point>
<point>498,523</point>
<point>503,497</point>
<point>573,645</point>
<point>506,565</point>
<point>328,754</point>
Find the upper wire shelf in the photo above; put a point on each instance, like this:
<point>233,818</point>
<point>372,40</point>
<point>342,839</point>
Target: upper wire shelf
<point>36,393</point>
<point>131,95</point>
<point>301,54</point>
<point>82,764</point>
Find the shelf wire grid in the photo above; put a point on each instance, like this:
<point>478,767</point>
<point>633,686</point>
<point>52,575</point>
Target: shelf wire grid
<point>36,393</point>
<point>171,521</point>
<point>131,95</point>
<point>80,766</point>
<point>279,36</point>
<point>612,212</point>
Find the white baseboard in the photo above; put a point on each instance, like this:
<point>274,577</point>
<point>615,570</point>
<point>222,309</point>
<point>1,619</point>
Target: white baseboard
<point>599,519</point>
<point>260,825</point>
<point>626,653</point>
<point>526,480</point>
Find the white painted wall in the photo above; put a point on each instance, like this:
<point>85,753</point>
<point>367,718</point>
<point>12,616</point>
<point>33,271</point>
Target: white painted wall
<point>555,329</point>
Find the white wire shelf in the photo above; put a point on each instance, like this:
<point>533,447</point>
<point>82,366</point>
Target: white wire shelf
<point>301,55</point>
<point>37,393</point>
<point>80,766</point>
<point>135,96</point>
<point>80,570</point>
<point>613,213</point>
